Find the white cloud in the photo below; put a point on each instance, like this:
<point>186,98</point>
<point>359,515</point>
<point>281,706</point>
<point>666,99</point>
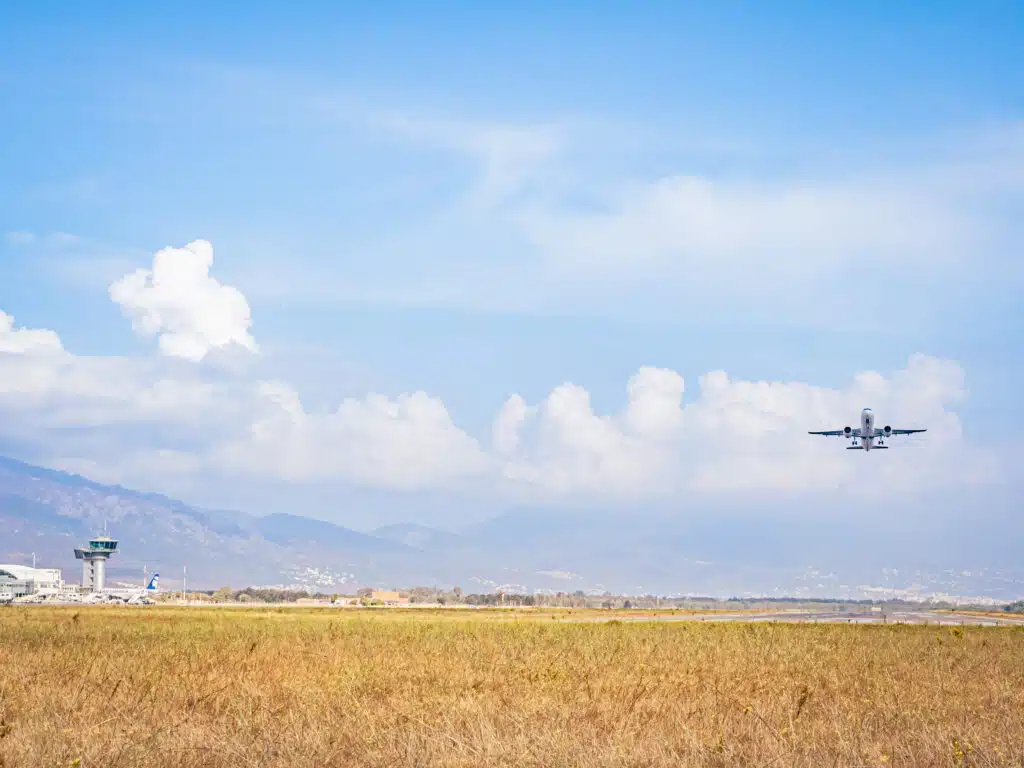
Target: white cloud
<point>740,435</point>
<point>655,398</point>
<point>505,432</point>
<point>579,210</point>
<point>137,420</point>
<point>565,448</point>
<point>23,341</point>
<point>407,442</point>
<point>169,465</point>
<point>58,239</point>
<point>64,238</point>
<point>692,227</point>
<point>791,247</point>
<point>178,301</point>
<point>148,420</point>
<point>20,238</point>
<point>46,391</point>
<point>508,154</point>
<point>590,222</point>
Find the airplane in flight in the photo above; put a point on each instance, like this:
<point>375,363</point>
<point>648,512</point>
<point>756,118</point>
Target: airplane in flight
<point>867,433</point>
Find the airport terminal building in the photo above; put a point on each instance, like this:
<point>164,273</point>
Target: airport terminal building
<point>21,580</point>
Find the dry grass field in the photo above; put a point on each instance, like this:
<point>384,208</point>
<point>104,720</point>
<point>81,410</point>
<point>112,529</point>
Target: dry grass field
<point>320,687</point>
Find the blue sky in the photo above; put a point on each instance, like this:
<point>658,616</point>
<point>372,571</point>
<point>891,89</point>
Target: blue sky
<point>478,201</point>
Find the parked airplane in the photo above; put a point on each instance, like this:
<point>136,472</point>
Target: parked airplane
<point>131,594</point>
<point>867,433</point>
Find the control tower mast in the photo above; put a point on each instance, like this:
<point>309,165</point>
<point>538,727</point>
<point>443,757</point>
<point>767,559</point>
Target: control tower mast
<point>94,562</point>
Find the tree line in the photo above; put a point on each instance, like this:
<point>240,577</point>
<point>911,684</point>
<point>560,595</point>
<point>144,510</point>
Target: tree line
<point>577,599</point>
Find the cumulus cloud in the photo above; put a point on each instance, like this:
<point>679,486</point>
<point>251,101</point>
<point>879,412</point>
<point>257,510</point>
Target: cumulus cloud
<point>407,442</point>
<point>564,447</point>
<point>178,301</point>
<point>505,431</point>
<point>110,410</point>
<point>147,419</point>
<point>23,341</point>
<point>137,419</point>
<point>655,400</point>
<point>738,435</point>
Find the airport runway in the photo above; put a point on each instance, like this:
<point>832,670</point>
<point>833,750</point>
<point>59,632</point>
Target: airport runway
<point>810,617</point>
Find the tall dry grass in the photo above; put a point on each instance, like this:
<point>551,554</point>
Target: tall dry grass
<point>202,687</point>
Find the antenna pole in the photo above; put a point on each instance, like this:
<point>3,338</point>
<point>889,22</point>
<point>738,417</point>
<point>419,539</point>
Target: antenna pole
<point>33,560</point>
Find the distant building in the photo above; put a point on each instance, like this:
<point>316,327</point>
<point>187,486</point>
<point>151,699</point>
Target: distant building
<point>21,580</point>
<point>312,601</point>
<point>389,598</point>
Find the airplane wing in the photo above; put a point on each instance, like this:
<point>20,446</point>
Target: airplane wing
<point>836,433</point>
<point>881,433</point>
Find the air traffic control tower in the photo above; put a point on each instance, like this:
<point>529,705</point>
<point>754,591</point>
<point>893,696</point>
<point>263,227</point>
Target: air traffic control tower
<point>94,562</point>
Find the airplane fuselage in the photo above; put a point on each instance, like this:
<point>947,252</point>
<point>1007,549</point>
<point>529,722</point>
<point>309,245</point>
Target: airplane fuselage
<point>867,429</point>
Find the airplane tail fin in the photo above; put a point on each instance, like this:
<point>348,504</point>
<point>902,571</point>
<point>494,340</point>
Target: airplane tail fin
<point>855,447</point>
<point>153,583</point>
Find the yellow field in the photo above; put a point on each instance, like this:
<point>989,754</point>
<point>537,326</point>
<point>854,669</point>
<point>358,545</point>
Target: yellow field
<point>190,687</point>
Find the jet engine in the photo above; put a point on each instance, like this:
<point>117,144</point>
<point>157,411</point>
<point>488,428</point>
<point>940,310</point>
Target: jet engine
<point>847,431</point>
<point>887,430</point>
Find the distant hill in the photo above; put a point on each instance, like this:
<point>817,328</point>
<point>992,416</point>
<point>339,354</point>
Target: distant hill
<point>304,532</point>
<point>49,513</point>
<point>418,536</point>
<point>693,551</point>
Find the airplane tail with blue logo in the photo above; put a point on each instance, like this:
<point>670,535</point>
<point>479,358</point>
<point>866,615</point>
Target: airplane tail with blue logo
<point>152,586</point>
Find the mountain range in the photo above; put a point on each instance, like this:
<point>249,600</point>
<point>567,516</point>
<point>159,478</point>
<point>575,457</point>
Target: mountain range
<point>722,553</point>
